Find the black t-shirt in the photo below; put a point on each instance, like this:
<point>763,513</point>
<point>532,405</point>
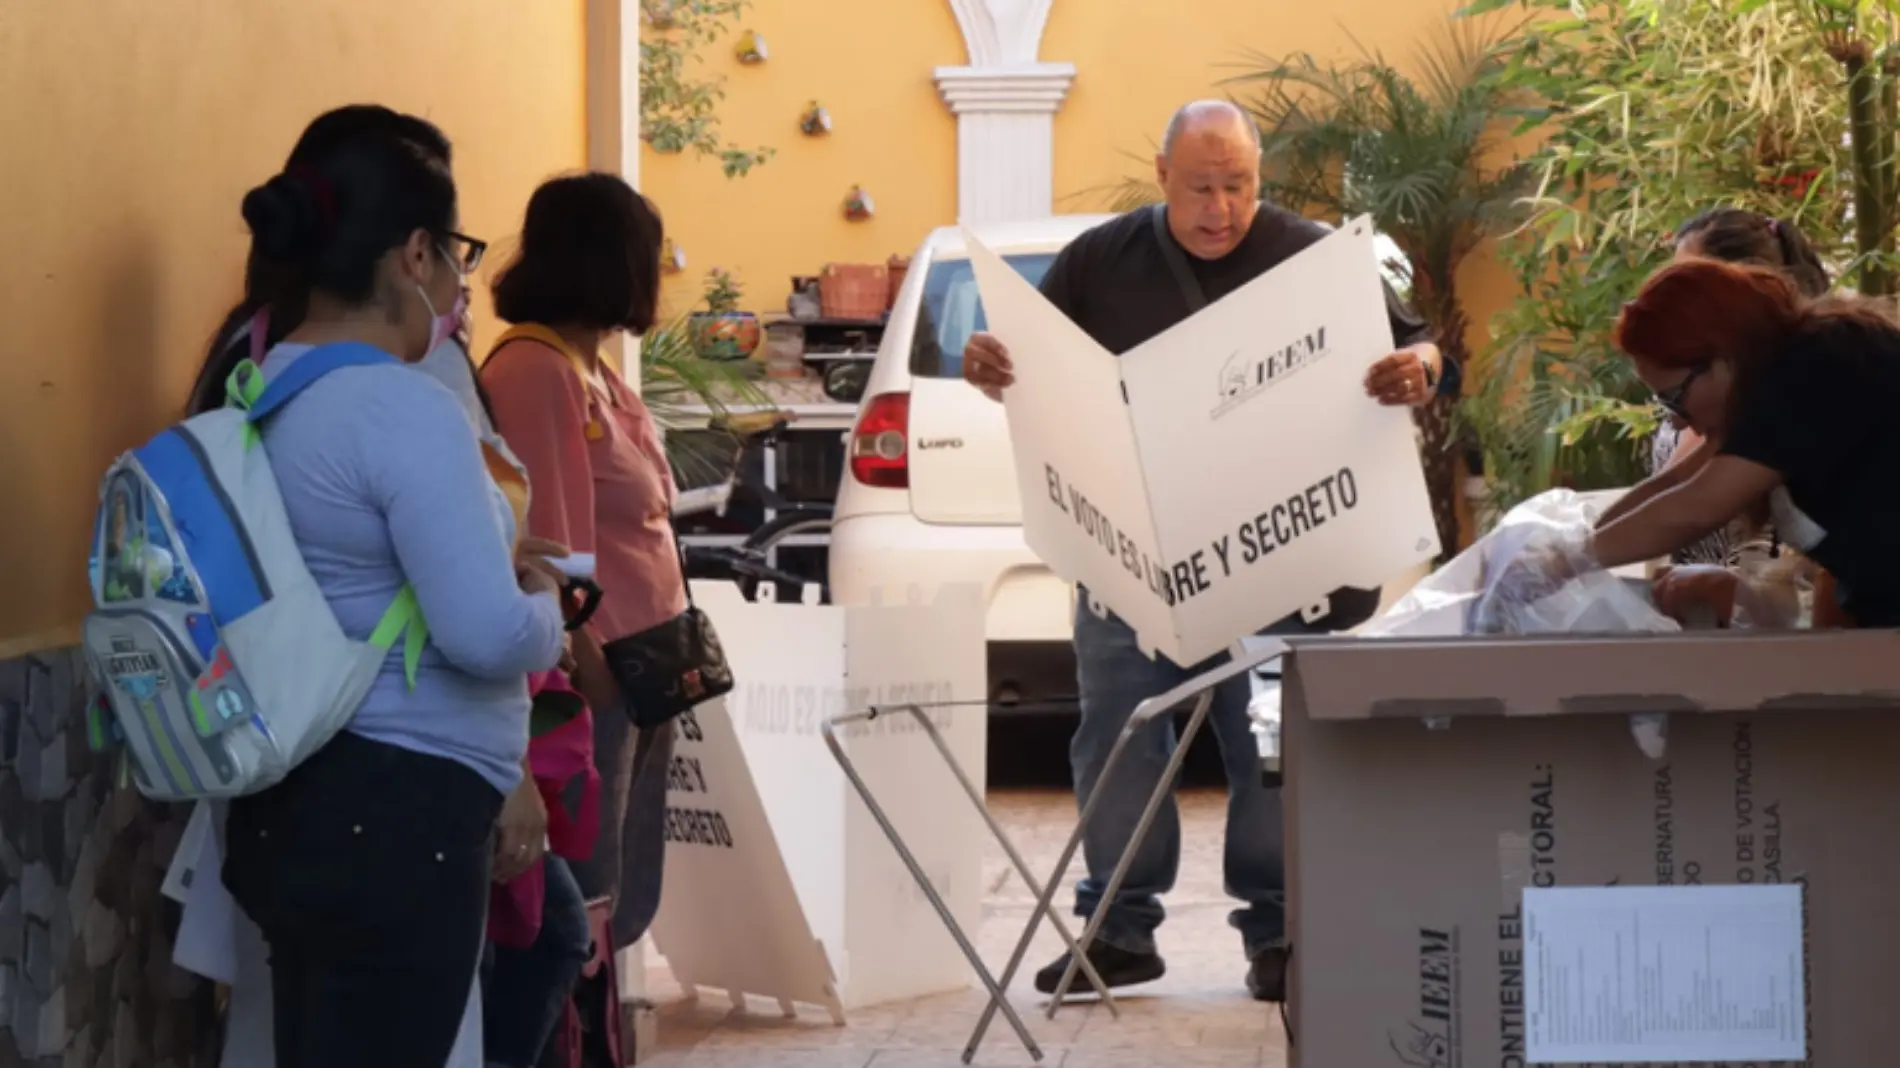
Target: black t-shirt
<point>1115,283</point>
<point>1114,280</point>
<point>1822,417</point>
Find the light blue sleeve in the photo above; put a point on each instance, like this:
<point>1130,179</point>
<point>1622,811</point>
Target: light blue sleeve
<point>424,470</point>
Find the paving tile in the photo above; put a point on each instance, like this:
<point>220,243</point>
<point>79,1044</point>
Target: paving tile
<point>1163,1058</point>
<point>755,1058</point>
<point>1197,1015</point>
<point>918,1058</point>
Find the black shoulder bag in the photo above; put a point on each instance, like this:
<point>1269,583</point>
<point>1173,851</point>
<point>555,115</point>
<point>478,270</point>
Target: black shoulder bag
<point>1346,607</point>
<point>665,670</point>
<point>668,669</point>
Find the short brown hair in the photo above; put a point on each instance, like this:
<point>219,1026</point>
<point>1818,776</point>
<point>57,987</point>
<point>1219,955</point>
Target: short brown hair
<point>589,257</point>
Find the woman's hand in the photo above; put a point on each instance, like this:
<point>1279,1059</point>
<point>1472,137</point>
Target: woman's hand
<point>533,566</point>
<point>1695,594</point>
<point>521,833</point>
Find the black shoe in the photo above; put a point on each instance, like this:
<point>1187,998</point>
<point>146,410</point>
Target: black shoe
<point>1266,976</point>
<point>1117,967</point>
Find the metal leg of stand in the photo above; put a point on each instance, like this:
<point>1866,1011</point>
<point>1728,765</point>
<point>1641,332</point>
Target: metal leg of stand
<point>1200,688</point>
<point>996,988</point>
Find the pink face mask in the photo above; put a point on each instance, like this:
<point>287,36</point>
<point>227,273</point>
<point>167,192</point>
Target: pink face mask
<point>443,327</point>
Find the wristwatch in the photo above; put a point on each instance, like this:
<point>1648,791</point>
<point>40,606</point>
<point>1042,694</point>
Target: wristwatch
<point>1431,375</point>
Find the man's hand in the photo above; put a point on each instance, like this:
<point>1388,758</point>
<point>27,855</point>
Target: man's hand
<point>521,833</point>
<point>986,365</point>
<point>1401,378</point>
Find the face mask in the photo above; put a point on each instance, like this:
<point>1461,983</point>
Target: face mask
<point>442,327</point>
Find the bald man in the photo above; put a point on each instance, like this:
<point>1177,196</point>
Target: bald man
<point>1124,282</point>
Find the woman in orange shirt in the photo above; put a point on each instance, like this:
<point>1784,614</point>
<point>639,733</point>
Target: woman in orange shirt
<point>589,267</point>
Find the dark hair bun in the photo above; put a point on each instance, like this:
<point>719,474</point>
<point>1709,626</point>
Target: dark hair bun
<point>285,220</point>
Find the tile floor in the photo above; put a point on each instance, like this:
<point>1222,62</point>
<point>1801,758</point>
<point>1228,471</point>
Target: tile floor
<point>1198,1016</point>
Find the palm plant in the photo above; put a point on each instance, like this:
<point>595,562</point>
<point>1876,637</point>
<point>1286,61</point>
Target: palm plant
<point>682,389</point>
<point>1417,154</point>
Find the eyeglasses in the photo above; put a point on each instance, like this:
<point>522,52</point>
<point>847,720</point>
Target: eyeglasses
<point>464,251</point>
<point>1674,399</point>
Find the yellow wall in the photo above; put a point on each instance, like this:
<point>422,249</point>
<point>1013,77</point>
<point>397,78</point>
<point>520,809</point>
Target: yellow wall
<point>131,130</point>
<point>871,61</point>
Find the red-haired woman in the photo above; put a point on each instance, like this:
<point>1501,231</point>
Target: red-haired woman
<point>1798,393</point>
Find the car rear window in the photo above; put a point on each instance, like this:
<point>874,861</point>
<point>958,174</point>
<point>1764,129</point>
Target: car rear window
<point>952,311</point>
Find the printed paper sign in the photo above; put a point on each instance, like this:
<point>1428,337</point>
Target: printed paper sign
<point>1227,473</point>
<point>1664,975</point>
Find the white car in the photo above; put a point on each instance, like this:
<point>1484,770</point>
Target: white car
<point>929,495</point>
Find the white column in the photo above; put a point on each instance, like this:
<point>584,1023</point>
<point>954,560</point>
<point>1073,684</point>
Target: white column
<point>1005,101</point>
<point>612,103</point>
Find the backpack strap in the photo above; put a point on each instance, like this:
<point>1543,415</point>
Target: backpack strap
<point>248,390</point>
<point>1177,260</point>
<point>403,619</point>
<point>261,403</point>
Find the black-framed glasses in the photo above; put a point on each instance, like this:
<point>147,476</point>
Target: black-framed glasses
<point>1675,398</point>
<point>464,251</point>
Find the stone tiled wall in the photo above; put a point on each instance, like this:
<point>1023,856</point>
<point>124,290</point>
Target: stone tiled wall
<point>86,979</point>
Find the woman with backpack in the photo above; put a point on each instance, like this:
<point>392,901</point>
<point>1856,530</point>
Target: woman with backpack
<point>589,267</point>
<point>368,867</point>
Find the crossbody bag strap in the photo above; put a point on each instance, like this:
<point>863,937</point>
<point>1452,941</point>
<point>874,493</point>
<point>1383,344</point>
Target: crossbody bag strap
<point>1177,260</point>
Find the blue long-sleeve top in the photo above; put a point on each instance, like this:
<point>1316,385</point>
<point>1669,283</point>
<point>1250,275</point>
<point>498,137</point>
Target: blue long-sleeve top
<point>384,485</point>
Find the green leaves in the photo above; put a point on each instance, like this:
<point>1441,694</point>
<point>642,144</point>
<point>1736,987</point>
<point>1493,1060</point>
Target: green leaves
<point>678,104</point>
<point>1656,110</point>
<point>681,389</point>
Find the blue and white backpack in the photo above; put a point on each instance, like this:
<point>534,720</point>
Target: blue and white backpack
<point>219,664</point>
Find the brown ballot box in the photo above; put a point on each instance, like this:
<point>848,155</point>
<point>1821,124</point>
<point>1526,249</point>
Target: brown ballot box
<point>1429,781</point>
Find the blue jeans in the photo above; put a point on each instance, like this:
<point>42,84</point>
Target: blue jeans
<point>1113,676</point>
<point>525,991</point>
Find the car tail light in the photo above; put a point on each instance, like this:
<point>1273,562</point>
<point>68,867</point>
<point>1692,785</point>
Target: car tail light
<point>880,448</point>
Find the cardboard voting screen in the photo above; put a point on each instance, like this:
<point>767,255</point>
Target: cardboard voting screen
<point>1228,472</point>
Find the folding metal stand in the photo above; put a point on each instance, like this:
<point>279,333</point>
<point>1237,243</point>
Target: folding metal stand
<point>995,986</point>
<point>1199,689</point>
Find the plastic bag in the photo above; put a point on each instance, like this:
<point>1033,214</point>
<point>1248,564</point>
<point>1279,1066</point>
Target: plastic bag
<point>1502,584</point>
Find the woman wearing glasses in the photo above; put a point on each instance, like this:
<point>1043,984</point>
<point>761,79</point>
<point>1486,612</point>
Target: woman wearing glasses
<point>368,867</point>
<point>1797,394</point>
<point>1707,574</point>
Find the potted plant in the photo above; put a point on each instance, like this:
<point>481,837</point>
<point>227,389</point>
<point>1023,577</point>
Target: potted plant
<point>722,331</point>
<point>683,391</point>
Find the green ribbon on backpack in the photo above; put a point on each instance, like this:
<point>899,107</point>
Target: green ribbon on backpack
<point>403,619</point>
<point>241,390</point>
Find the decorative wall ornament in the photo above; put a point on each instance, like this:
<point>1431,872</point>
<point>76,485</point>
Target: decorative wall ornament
<point>751,47</point>
<point>858,206</point>
<point>672,257</point>
<point>816,121</point>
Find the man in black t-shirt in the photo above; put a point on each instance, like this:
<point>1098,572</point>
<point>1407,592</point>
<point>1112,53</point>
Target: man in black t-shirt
<point>1124,282</point>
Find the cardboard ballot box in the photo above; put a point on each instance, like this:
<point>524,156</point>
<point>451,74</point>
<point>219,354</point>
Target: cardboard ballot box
<point>1410,844</point>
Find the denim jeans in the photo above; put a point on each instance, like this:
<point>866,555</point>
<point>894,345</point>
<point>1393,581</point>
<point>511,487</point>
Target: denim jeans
<point>367,870</point>
<point>525,991</point>
<point>1113,676</point>
<point>629,858</point>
